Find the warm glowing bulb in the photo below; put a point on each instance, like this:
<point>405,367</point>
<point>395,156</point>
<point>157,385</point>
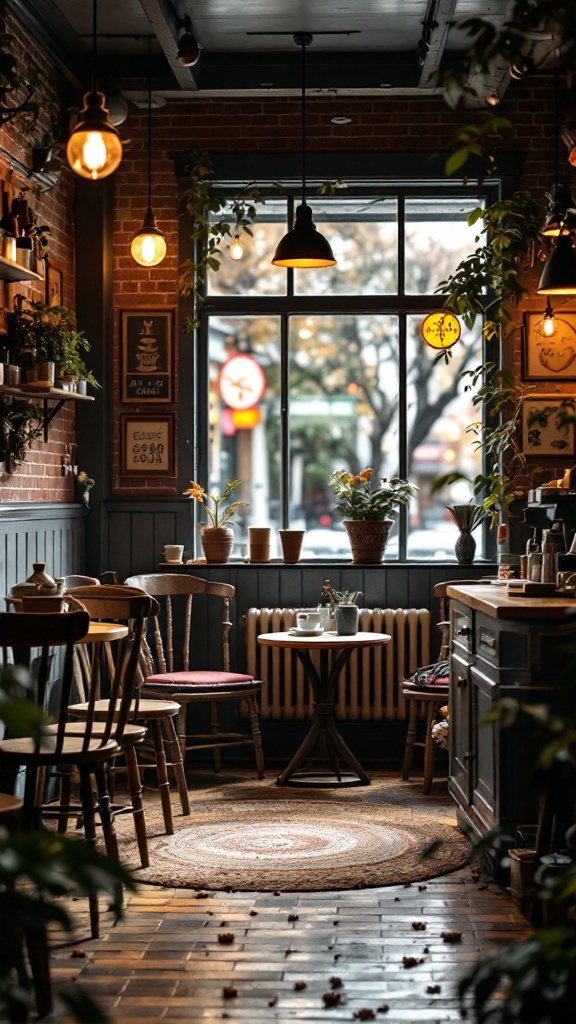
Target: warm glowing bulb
<point>94,153</point>
<point>236,250</point>
<point>148,249</point>
<point>548,326</point>
<point>493,99</point>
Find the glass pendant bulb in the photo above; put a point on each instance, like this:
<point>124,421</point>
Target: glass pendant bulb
<point>548,323</point>
<point>94,149</point>
<point>148,247</point>
<point>236,250</point>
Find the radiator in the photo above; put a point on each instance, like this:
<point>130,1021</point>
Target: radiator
<point>369,686</point>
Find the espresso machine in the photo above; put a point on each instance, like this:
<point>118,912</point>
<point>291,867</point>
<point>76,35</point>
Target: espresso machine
<point>553,508</point>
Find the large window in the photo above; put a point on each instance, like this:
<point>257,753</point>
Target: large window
<point>337,368</point>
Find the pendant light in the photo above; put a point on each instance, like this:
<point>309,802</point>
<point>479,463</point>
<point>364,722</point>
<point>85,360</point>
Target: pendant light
<point>303,245</point>
<point>148,246</point>
<point>94,149</point>
<point>559,274</point>
<point>548,320</point>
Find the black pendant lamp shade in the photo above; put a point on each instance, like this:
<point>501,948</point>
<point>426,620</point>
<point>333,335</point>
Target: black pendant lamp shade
<point>303,246</point>
<point>559,274</point>
<point>94,149</point>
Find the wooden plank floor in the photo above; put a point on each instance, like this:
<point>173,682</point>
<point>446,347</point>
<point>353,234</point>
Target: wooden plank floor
<point>164,961</point>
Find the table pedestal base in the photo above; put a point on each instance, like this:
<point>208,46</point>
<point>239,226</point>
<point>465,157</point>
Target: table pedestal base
<point>323,780</point>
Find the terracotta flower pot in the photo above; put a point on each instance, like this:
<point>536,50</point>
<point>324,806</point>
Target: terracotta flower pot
<point>368,539</point>
<point>217,543</point>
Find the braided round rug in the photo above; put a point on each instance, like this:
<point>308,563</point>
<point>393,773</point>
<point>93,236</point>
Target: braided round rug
<point>263,845</point>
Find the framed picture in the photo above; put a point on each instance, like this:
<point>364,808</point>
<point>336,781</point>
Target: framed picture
<point>147,354</point>
<point>54,284</point>
<point>148,445</point>
<point>548,426</point>
<point>553,357</point>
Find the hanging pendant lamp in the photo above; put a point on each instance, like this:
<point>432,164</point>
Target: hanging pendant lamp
<point>303,245</point>
<point>559,274</point>
<point>94,149</point>
<point>148,247</point>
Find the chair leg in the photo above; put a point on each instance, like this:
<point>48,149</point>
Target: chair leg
<point>107,820</point>
<point>410,738</point>
<point>177,765</point>
<point>37,948</point>
<point>256,735</point>
<point>162,778</point>
<point>429,750</point>
<point>215,729</point>
<point>65,797</point>
<point>135,791</point>
<point>181,727</point>
<point>90,837</point>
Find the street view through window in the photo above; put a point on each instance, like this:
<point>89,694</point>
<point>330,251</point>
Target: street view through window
<point>336,375</point>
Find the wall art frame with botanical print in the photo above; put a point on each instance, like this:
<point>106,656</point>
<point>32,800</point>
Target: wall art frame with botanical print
<point>548,427</point>
<point>54,295</point>
<point>147,353</point>
<point>147,445</point>
<point>551,357</point>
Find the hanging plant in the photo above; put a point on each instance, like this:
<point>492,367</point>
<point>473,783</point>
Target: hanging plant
<point>21,425</point>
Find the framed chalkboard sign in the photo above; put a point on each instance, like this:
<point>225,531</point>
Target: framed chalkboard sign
<point>148,445</point>
<point>147,355</point>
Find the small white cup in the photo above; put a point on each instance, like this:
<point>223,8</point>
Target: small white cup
<point>308,622</point>
<point>173,553</point>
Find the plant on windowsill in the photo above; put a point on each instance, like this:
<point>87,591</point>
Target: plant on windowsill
<point>218,537</point>
<point>368,514</point>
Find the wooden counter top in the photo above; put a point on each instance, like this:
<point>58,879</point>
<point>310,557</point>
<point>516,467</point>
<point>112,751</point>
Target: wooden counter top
<point>497,602</point>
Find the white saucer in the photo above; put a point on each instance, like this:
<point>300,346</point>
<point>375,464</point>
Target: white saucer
<point>306,632</point>
<point>174,561</point>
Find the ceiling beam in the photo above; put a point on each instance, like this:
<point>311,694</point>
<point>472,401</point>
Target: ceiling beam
<point>166,25</point>
<point>435,28</point>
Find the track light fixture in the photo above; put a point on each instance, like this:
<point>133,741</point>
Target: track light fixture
<point>188,46</point>
<point>94,149</point>
<point>148,246</point>
<point>303,246</point>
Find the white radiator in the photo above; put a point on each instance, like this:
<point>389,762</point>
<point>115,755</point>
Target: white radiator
<point>369,687</point>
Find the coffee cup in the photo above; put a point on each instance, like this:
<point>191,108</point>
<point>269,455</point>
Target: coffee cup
<point>173,553</point>
<point>259,543</point>
<point>308,622</point>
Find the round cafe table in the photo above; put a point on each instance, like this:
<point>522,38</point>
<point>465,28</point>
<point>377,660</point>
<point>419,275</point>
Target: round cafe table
<point>334,651</point>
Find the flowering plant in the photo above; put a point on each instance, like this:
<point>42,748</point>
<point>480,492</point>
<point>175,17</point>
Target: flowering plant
<point>212,503</point>
<point>357,499</point>
<point>340,596</point>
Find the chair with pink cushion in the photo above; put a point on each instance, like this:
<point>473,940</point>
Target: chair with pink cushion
<point>166,675</point>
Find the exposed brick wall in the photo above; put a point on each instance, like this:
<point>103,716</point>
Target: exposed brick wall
<point>40,477</point>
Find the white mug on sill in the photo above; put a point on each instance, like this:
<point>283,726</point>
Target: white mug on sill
<point>173,553</point>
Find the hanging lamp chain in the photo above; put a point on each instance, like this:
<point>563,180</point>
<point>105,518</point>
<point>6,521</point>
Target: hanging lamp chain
<point>94,43</point>
<point>149,138</point>
<point>556,129</point>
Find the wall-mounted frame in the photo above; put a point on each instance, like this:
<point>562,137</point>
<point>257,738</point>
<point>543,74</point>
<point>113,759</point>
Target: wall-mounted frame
<point>549,358</point>
<point>546,430</point>
<point>54,284</point>
<point>148,445</point>
<point>146,336</point>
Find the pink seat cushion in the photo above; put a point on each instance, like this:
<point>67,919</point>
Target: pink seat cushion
<point>202,681</point>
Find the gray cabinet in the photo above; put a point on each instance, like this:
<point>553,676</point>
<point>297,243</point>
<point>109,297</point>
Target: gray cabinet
<point>501,647</point>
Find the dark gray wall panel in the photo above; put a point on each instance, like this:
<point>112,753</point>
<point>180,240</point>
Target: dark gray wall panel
<point>48,533</point>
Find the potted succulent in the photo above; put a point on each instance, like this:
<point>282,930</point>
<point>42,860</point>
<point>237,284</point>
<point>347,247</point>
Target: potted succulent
<point>217,537</point>
<point>368,514</point>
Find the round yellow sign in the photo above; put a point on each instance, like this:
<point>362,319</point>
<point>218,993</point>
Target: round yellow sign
<point>440,329</point>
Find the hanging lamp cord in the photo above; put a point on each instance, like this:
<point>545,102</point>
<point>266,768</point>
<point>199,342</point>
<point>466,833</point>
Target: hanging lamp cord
<point>556,128</point>
<point>149,139</point>
<point>303,104</point>
<point>94,44</point>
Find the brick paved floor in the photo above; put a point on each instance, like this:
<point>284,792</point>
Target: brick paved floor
<point>164,960</point>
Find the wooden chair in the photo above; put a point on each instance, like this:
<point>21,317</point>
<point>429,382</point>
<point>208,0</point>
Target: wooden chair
<point>79,581</point>
<point>422,704</point>
<point>157,716</point>
<point>89,751</point>
<point>178,596</point>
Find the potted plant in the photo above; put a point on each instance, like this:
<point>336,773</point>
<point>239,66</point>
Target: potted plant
<point>50,335</point>
<point>217,538</point>
<point>368,514</point>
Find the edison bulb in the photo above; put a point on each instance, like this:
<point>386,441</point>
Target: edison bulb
<point>236,250</point>
<point>548,326</point>
<point>94,149</point>
<point>148,249</point>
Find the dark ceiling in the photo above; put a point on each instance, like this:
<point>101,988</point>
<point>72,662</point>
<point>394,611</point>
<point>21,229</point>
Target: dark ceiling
<point>360,47</point>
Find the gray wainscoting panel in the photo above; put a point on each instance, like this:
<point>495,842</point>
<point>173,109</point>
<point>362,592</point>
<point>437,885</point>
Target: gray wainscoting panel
<point>40,532</point>
<point>134,533</point>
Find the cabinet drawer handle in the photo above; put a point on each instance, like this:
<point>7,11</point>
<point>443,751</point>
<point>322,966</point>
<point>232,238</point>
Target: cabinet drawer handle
<point>463,631</point>
<point>461,681</point>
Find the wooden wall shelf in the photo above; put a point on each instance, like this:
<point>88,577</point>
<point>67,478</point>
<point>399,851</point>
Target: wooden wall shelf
<point>10,271</point>
<point>57,395</point>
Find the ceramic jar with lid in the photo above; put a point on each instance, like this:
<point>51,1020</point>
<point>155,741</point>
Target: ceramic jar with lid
<point>44,582</point>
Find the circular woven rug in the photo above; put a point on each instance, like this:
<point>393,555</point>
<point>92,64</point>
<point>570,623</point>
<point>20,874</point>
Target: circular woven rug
<point>295,845</point>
